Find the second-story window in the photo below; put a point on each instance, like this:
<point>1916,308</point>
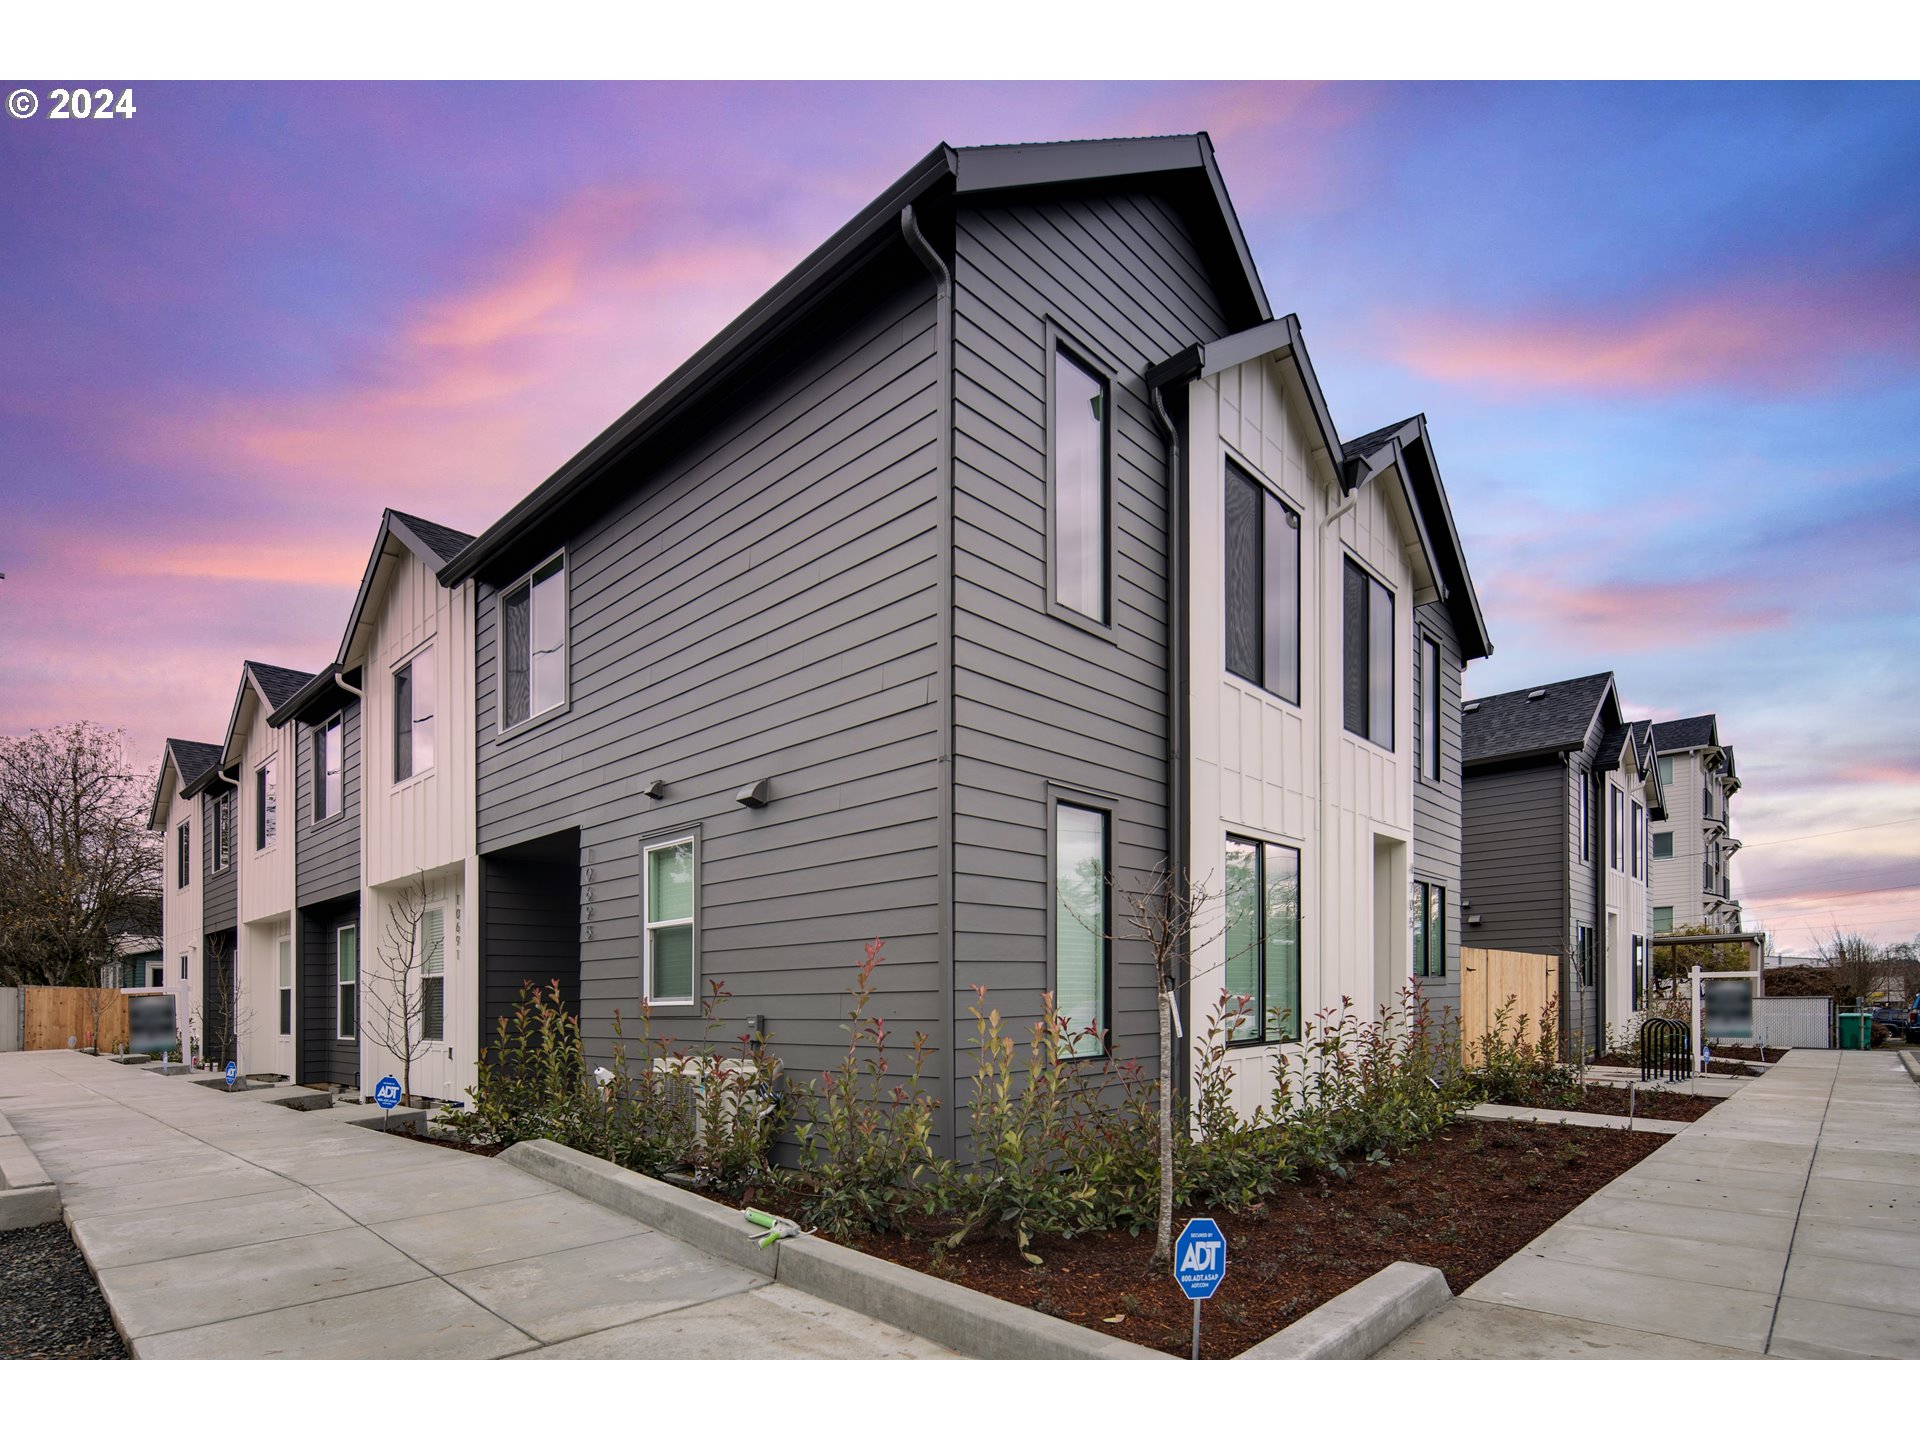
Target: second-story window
<point>1430,707</point>
<point>1637,839</point>
<point>1665,762</point>
<point>328,794</point>
<point>533,644</point>
<point>1262,586</point>
<point>1582,787</point>
<point>219,831</point>
<point>1368,657</point>
<point>1613,828</point>
<point>186,854</point>
<point>1077,428</point>
<point>1663,844</point>
<point>413,716</point>
<point>266,804</point>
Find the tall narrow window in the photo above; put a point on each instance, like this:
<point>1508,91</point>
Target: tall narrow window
<point>346,961</point>
<point>1639,969</point>
<point>413,716</point>
<point>1077,436</point>
<point>1261,968</point>
<point>433,976</point>
<point>1429,929</point>
<point>1613,828</point>
<point>1262,586</point>
<point>327,771</point>
<point>266,804</point>
<point>533,644</point>
<point>185,856</point>
<point>1080,950</point>
<point>1368,657</point>
<point>1636,838</point>
<point>670,925</point>
<point>286,987</point>
<point>1430,707</point>
<point>1584,937</point>
<point>219,812</point>
<point>183,967</point>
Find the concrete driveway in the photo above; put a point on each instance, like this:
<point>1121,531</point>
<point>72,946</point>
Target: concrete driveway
<point>224,1228</point>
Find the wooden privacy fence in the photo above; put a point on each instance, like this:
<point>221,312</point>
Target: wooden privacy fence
<point>52,1013</point>
<point>1490,978</point>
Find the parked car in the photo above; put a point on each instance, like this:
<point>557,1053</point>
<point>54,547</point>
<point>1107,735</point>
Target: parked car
<point>1898,1020</point>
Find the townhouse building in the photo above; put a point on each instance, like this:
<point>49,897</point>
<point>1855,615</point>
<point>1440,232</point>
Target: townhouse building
<point>175,813</point>
<point>1561,792</point>
<point>1693,853</point>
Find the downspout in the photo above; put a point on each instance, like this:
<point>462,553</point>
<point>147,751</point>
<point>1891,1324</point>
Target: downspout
<point>1179,822</point>
<point>946,1141</point>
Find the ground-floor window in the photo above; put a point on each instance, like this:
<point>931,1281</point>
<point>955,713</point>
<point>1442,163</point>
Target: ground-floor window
<point>1584,951</point>
<point>1261,967</point>
<point>433,976</point>
<point>1082,953</point>
<point>671,901</point>
<point>1429,929</point>
<point>286,987</point>
<point>1639,969</point>
<point>346,953</point>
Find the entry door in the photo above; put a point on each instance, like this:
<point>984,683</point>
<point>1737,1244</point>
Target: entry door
<point>285,1007</point>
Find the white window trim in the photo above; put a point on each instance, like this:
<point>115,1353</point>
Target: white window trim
<point>1430,709</point>
<point>320,768</point>
<point>1295,508</point>
<point>440,908</point>
<point>339,985</point>
<point>647,927</point>
<point>425,647</point>
<point>534,717</point>
<point>259,819</point>
<point>220,825</point>
<point>287,989</point>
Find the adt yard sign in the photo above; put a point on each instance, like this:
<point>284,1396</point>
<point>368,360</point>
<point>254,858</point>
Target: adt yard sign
<point>1200,1259</point>
<point>233,1071</point>
<point>387,1093</point>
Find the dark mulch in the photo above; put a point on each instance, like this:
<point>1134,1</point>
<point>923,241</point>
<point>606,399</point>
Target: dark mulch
<point>1647,1104</point>
<point>1749,1052</point>
<point>50,1306</point>
<point>459,1145</point>
<point>1464,1201</point>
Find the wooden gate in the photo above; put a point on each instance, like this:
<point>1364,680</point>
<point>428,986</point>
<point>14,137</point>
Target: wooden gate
<point>1490,979</point>
<point>53,1013</point>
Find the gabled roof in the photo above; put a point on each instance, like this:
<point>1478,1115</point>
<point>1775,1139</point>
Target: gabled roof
<point>1693,733</point>
<point>188,759</point>
<point>434,544</point>
<point>1508,726</point>
<point>1181,165</point>
<point>274,685</point>
<point>1410,443</point>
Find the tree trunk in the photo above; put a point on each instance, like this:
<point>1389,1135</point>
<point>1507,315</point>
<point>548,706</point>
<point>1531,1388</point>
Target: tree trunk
<point>1163,1231</point>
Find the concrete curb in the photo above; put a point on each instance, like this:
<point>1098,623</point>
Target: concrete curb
<point>1911,1059</point>
<point>27,1195</point>
<point>964,1320</point>
<point>1581,1119</point>
<point>1361,1322</point>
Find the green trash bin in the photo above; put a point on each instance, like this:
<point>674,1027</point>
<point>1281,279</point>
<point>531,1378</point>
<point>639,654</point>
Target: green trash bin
<point>1856,1030</point>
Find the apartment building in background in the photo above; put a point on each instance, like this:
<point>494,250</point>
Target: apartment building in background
<point>1693,852</point>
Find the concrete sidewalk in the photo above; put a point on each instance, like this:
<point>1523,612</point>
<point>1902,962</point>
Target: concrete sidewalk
<point>1786,1222</point>
<point>224,1229</point>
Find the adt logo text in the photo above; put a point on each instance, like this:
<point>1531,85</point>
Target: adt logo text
<point>1200,1259</point>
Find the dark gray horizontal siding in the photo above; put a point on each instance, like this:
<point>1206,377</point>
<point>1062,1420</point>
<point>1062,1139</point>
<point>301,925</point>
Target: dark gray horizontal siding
<point>1514,858</point>
<point>327,853</point>
<point>322,1057</point>
<point>1437,804</point>
<point>1587,885</point>
<point>220,894</point>
<point>1037,700</point>
<point>758,602</point>
<point>529,935</point>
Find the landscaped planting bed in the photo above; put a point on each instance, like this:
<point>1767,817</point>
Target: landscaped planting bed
<point>1645,1104</point>
<point>50,1305</point>
<point>1463,1200</point>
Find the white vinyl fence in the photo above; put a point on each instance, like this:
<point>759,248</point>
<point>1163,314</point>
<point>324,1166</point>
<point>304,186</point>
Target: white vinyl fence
<point>1802,1022</point>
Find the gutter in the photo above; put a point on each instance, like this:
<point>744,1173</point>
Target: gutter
<point>1179,804</point>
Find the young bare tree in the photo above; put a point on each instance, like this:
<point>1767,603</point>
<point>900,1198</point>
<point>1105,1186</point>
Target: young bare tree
<point>77,862</point>
<point>1856,965</point>
<point>223,1016</point>
<point>398,1002</point>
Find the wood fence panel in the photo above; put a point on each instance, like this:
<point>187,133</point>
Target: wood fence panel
<point>1490,979</point>
<point>55,1012</point>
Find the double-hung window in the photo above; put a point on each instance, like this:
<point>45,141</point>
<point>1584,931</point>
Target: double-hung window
<point>266,804</point>
<point>1368,657</point>
<point>185,857</point>
<point>1079,444</point>
<point>327,770</point>
<point>1262,586</point>
<point>533,644</point>
<point>672,887</point>
<point>1429,929</point>
<point>413,716</point>
<point>1082,954</point>
<point>433,976</point>
<point>286,987</point>
<point>1261,967</point>
<point>1637,839</point>
<point>346,962</point>
<point>1429,707</point>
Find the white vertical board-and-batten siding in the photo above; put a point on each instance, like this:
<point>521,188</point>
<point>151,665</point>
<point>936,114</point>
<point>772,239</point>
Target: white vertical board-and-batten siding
<point>182,920</point>
<point>265,902</point>
<point>422,826</point>
<point>1268,769</point>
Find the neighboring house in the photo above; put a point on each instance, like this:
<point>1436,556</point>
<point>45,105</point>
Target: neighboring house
<point>323,717</point>
<point>880,617</point>
<point>1560,793</point>
<point>183,764</point>
<point>139,963</point>
<point>411,639</point>
<point>258,759</point>
<point>1693,854</point>
<point>1322,587</point>
<point>214,993</point>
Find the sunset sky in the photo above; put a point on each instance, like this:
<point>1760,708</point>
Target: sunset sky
<point>1667,339</point>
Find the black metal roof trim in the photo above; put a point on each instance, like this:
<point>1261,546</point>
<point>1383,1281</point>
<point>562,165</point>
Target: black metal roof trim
<point>322,685</point>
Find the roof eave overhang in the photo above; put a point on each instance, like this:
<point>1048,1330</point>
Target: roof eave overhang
<point>160,792</point>
<point>306,696</point>
<point>1469,618</point>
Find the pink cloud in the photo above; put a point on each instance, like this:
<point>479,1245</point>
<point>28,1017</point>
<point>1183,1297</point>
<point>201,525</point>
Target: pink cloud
<point>1629,615</point>
<point>1766,333</point>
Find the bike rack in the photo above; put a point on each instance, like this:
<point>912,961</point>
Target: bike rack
<point>1666,1051</point>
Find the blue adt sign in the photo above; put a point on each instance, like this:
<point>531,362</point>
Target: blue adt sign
<point>1200,1259</point>
<point>233,1070</point>
<point>387,1093</point>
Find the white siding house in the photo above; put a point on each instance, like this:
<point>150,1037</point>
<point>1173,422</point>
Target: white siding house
<point>177,816</point>
<point>1694,849</point>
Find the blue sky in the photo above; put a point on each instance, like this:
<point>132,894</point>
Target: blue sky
<point>1667,338</point>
